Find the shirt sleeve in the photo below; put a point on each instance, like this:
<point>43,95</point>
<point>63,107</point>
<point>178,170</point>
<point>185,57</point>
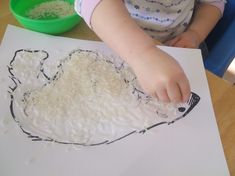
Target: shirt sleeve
<point>85,9</point>
<point>217,3</point>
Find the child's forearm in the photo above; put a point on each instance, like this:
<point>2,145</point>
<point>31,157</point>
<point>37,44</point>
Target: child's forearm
<point>205,18</point>
<point>113,24</point>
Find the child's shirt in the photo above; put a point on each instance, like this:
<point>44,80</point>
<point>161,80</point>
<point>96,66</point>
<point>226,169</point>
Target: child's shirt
<point>161,19</point>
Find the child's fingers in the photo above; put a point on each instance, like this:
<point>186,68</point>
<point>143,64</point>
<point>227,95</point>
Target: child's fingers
<point>173,41</point>
<point>180,45</point>
<point>185,43</point>
<point>174,92</point>
<point>162,95</point>
<point>184,89</point>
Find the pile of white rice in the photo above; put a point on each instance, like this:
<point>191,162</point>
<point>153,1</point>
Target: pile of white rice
<point>51,9</point>
<point>88,101</point>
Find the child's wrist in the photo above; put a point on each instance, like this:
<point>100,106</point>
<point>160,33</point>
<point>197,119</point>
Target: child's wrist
<point>140,54</point>
<point>147,57</point>
<point>143,53</point>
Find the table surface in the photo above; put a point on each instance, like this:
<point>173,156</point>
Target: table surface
<point>222,92</point>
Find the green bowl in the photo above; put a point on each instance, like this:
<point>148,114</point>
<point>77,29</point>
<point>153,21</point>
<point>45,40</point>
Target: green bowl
<point>47,24</point>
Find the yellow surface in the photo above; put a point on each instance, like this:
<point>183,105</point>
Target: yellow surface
<point>222,93</point>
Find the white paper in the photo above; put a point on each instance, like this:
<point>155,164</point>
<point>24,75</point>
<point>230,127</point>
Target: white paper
<point>190,146</point>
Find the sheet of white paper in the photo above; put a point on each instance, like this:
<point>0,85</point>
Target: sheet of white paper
<point>190,146</point>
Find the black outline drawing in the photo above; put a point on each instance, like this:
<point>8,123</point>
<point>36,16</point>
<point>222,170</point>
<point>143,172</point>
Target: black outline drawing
<point>193,101</point>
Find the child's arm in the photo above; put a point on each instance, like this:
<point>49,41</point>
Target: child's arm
<point>158,73</point>
<point>205,18</point>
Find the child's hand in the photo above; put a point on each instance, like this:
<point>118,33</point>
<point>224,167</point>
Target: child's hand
<point>188,39</point>
<point>161,76</point>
